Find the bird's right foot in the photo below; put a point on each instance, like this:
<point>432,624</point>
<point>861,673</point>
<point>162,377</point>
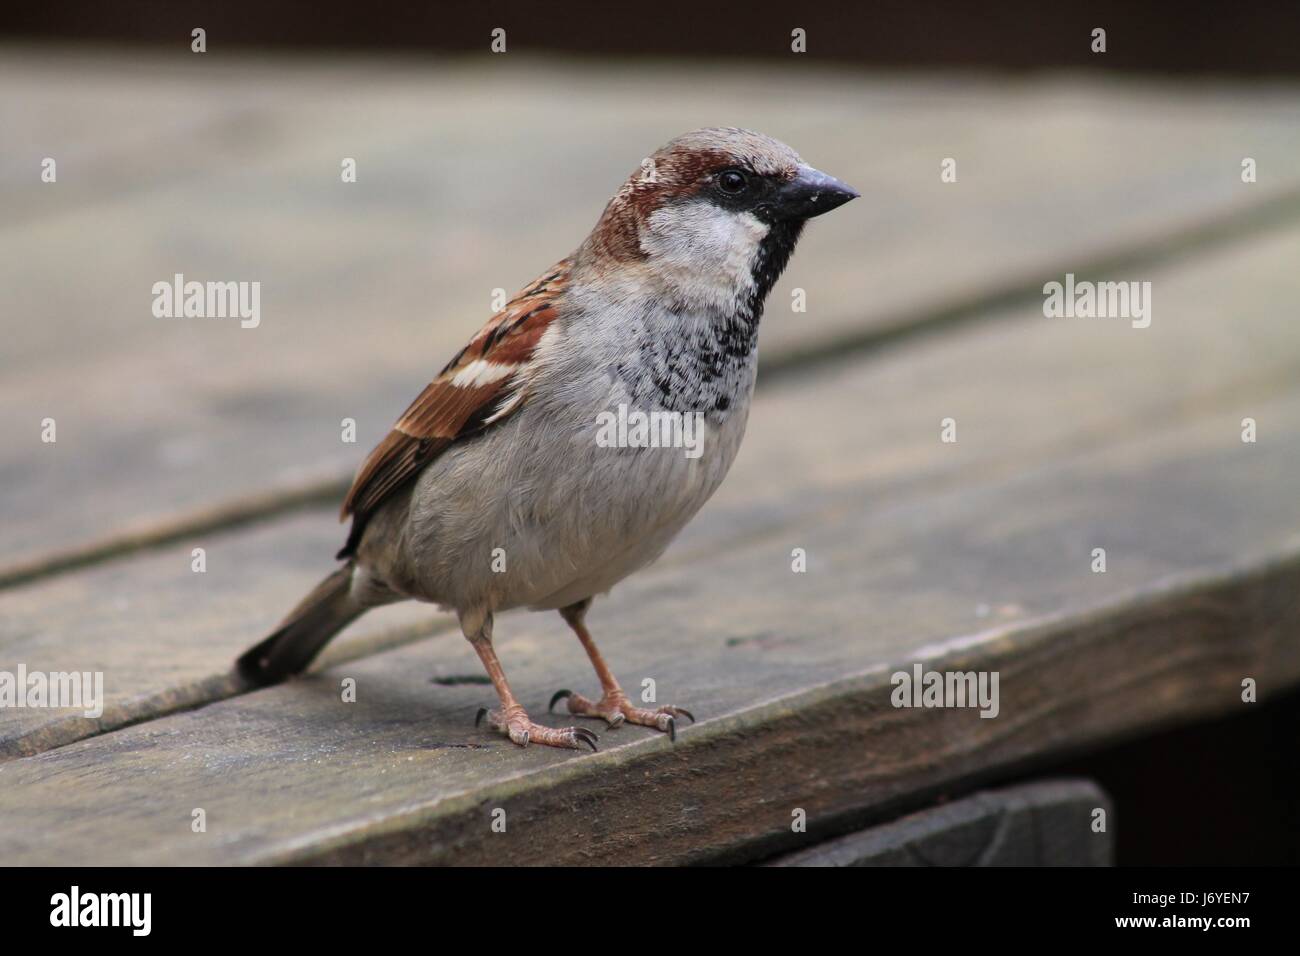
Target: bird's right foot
<point>615,708</point>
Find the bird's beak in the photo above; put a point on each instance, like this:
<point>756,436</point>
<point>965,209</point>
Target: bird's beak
<point>810,194</point>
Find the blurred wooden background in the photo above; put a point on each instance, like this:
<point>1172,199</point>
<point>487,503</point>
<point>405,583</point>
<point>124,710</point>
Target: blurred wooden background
<point>924,302</point>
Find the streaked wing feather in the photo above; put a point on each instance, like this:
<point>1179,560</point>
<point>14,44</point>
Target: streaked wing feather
<point>486,381</point>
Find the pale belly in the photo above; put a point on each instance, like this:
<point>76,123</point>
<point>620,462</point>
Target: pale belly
<point>535,515</point>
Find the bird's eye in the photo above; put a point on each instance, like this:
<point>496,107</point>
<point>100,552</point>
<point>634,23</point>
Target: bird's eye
<point>732,182</point>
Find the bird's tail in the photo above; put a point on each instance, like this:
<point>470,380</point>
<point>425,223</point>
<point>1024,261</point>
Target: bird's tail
<point>293,645</point>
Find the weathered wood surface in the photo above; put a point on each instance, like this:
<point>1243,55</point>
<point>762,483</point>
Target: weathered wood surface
<point>861,436</point>
<point>228,169</point>
<point>1073,434</point>
<point>790,674</point>
<point>1044,823</point>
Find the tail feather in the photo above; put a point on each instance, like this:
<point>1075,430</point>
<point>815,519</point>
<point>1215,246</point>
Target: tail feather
<point>293,645</point>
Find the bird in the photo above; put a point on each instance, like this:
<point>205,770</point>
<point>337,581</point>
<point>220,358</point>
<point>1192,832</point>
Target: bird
<point>495,491</point>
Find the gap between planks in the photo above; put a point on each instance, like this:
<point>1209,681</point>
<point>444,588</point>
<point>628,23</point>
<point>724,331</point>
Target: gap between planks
<point>1160,412</point>
<point>1185,242</point>
<point>194,695</point>
<point>1169,644</point>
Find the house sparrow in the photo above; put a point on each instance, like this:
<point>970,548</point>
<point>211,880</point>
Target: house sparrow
<point>493,491</point>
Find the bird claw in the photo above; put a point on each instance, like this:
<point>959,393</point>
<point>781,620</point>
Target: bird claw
<point>522,730</point>
<point>615,709</point>
<point>666,719</point>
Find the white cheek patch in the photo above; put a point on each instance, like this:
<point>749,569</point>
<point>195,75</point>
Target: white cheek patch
<point>702,249</point>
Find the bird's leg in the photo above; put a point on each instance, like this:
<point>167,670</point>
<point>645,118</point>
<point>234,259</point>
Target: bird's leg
<point>511,719</point>
<point>613,706</point>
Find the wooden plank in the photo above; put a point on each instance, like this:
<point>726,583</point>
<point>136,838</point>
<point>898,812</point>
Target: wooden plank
<point>790,675</point>
<point>164,636</point>
<point>169,427</point>
<point>1043,823</point>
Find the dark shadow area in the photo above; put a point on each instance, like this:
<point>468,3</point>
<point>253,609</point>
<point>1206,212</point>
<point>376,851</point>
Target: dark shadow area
<point>1221,793</point>
<point>1194,36</point>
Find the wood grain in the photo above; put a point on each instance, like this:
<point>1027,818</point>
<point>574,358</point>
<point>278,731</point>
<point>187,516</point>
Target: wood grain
<point>1073,434</point>
<point>789,674</point>
<point>1025,391</point>
<point>228,168</point>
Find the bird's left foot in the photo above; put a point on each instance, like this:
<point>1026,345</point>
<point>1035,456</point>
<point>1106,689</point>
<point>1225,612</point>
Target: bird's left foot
<point>614,709</point>
<point>516,725</point>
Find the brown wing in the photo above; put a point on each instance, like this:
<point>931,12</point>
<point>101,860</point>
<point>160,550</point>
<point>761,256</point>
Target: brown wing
<point>486,381</point>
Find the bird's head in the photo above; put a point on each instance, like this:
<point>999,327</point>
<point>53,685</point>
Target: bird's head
<point>715,214</point>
